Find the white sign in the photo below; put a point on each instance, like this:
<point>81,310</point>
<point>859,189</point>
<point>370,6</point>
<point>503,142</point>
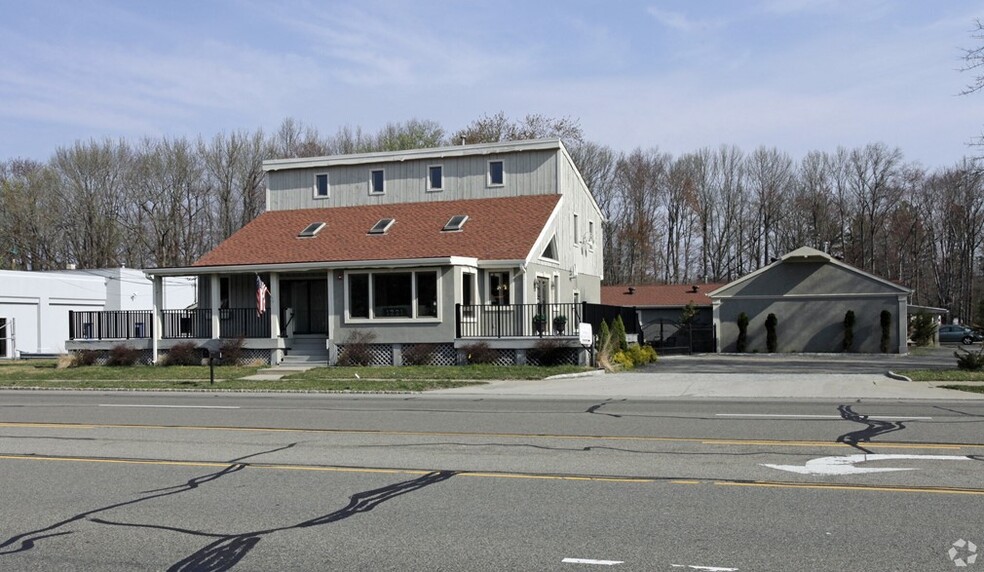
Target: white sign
<point>585,333</point>
<point>845,465</point>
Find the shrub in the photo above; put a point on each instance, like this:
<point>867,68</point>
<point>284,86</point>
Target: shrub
<point>641,355</point>
<point>418,354</point>
<point>970,361</point>
<point>742,341</point>
<point>618,332</point>
<point>183,354</point>
<point>480,352</point>
<point>122,355</point>
<point>84,358</point>
<point>549,352</point>
<point>848,331</point>
<point>604,335</point>
<point>623,359</point>
<point>771,342</point>
<point>232,351</point>
<point>923,329</point>
<point>357,349</point>
<point>886,330</point>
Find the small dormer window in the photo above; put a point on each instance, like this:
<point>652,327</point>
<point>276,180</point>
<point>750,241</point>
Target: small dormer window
<point>496,177</point>
<point>382,226</point>
<point>435,178</point>
<point>321,189</point>
<point>456,222</point>
<point>311,230</point>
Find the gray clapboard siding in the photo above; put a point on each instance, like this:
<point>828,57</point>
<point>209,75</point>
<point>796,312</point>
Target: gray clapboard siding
<point>527,173</point>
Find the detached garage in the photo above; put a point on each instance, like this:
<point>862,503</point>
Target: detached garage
<point>810,292</point>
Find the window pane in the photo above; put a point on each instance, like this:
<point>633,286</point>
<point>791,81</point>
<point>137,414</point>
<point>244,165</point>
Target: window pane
<point>377,182</point>
<point>392,295</point>
<point>499,286</point>
<point>436,176</point>
<point>359,295</point>
<point>495,173</point>
<point>322,185</point>
<point>426,294</point>
<point>468,294</point>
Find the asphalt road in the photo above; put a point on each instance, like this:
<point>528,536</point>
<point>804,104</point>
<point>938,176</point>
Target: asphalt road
<point>123,481</point>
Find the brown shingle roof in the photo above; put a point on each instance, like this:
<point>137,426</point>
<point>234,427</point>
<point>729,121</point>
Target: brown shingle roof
<point>658,295</point>
<point>497,229</point>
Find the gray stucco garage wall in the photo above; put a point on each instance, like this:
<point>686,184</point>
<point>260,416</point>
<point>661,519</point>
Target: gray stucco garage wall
<point>810,293</point>
<point>809,324</point>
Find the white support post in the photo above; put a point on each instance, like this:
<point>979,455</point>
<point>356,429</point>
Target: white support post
<point>156,321</point>
<point>274,308</point>
<point>215,303</point>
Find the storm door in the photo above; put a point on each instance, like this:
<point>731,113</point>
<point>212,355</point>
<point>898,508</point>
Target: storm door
<point>308,304</point>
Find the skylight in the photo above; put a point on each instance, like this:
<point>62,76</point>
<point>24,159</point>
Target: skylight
<point>456,222</point>
<point>311,230</point>
<point>382,226</point>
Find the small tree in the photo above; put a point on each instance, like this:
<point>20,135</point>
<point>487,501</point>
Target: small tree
<point>742,332</point>
<point>848,331</point>
<point>618,332</point>
<point>923,329</point>
<point>886,330</point>
<point>771,343</point>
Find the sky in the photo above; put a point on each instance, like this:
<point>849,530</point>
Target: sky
<point>798,75</point>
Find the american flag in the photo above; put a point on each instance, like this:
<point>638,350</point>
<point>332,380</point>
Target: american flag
<point>261,294</point>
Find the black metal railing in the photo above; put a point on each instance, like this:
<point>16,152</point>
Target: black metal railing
<point>110,325</point>
<point>177,324</point>
<point>537,320</point>
<point>138,324</point>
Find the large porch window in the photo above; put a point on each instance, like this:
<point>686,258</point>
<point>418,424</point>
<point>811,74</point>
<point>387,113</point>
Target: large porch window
<point>393,295</point>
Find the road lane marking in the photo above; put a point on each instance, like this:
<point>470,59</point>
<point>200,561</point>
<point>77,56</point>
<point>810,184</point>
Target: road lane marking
<point>684,482</point>
<point>590,561</point>
<point>528,476</point>
<point>170,406</point>
<point>805,416</point>
<point>838,487</point>
<point>846,465</point>
<point>705,568</point>
<point>638,438</point>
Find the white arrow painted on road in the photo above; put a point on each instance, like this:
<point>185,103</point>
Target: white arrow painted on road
<point>846,465</point>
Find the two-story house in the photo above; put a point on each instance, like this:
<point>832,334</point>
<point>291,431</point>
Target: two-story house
<point>446,246</point>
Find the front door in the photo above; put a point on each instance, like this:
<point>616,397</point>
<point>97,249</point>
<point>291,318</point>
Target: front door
<point>308,302</point>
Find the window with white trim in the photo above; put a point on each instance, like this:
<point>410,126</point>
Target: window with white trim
<point>496,174</point>
<point>468,294</point>
<point>393,295</point>
<point>377,182</point>
<point>591,233</point>
<point>499,288</point>
<point>577,230</point>
<point>435,177</point>
<point>321,188</point>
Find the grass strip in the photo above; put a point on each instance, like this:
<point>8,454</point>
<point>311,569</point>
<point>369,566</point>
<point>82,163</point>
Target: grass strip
<point>943,375</point>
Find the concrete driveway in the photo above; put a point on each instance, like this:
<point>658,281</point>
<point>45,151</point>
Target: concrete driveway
<point>921,358</point>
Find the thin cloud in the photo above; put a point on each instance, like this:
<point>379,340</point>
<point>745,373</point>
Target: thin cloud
<point>681,22</point>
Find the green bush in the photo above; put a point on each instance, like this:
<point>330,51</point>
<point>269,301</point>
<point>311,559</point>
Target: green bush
<point>641,355</point>
<point>604,335</point>
<point>480,352</point>
<point>84,358</point>
<point>357,349</point>
<point>232,351</point>
<point>848,330</point>
<point>970,361</point>
<point>548,352</point>
<point>742,342</point>
<point>183,354</point>
<point>418,354</point>
<point>923,329</point>
<point>886,330</point>
<point>122,356</point>
<point>771,341</point>
<point>618,332</point>
<point>623,359</point>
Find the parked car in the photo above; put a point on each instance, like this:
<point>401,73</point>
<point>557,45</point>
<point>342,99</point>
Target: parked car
<point>962,334</point>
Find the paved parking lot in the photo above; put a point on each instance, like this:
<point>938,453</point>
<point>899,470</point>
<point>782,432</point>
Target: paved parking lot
<point>921,358</point>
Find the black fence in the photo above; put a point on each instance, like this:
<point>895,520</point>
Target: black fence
<point>176,324</point>
<point>674,337</point>
<point>537,320</point>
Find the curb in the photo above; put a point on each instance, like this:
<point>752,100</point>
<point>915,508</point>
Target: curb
<point>592,373</point>
<point>896,376</point>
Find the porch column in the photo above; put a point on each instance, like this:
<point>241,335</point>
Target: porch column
<point>274,305</point>
<point>156,323</point>
<point>215,302</point>
<point>902,330</point>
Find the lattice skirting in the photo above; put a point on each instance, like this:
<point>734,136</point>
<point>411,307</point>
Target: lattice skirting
<point>248,356</point>
<point>379,354</point>
<point>567,356</point>
<point>430,354</point>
